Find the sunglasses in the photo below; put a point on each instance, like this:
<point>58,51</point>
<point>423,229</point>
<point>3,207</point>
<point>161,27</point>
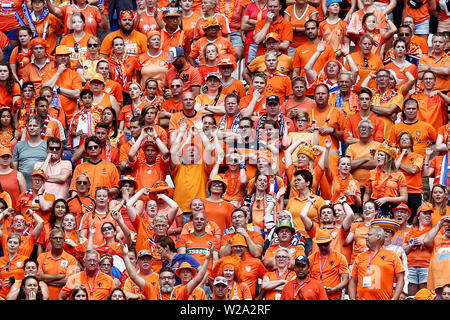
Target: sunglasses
<point>54,148</point>
<point>92,45</point>
<point>93,147</point>
<point>403,34</point>
<point>107,228</point>
<point>175,85</point>
<point>216,184</point>
<point>82,182</point>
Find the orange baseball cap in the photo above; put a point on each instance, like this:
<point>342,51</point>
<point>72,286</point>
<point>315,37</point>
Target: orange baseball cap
<point>4,151</point>
<point>62,49</point>
<point>425,294</point>
<point>425,207</point>
<point>402,206</point>
<point>273,35</point>
<point>39,172</point>
<point>161,186</point>
<point>98,77</point>
<point>171,12</point>
<point>211,22</point>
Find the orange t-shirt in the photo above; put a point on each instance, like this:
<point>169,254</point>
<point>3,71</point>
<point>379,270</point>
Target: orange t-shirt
<point>101,174</point>
<point>273,276</point>
<point>442,83</point>
<point>219,212</point>
<point>131,287</point>
<point>77,49</point>
<point>236,86</point>
<point>147,175</point>
<point>65,264</point>
<point>80,205</point>
<point>333,34</point>
<point>20,60</point>
<point>431,110</point>
<point>260,106</point>
<point>385,265</point>
<point>8,20</point>
<point>10,268</point>
<point>304,52</point>
<point>338,236</point>
<point>419,15</point>
<point>438,275</point>
<point>92,15</point>
<point>357,151</point>
<point>351,130</point>
<point>131,65</point>
<point>390,188</point>
<point>135,43</point>
<point>422,132</point>
<point>223,22</point>
<point>413,181</point>
<point>418,256</point>
<point>252,269</point>
<point>402,79</point>
<point>299,22</point>
<point>311,289</point>
<point>374,63</point>
<point>31,73</point>
<point>339,186</point>
<point>329,272</point>
<point>154,67</point>
<point>359,230</point>
<point>147,22</point>
<point>223,45</point>
<point>282,27</point>
<point>189,24</point>
<point>69,79</point>
<point>98,220</point>
<point>26,245</point>
<point>102,285</point>
<point>385,100</point>
<point>196,246</point>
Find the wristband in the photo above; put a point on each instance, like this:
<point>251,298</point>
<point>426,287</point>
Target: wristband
<point>426,164</point>
<point>242,165</point>
<point>316,129</point>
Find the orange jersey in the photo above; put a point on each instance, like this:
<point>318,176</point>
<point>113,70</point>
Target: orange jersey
<point>260,106</point>
<point>176,39</point>
<point>419,15</point>
<point>419,256</point>
<point>373,63</point>
<point>401,77</point>
<point>223,45</point>
<point>101,174</point>
<point>304,52</point>
<point>252,269</point>
<point>359,230</point>
<point>80,205</point>
<point>385,264</point>
<point>422,132</point>
<point>148,174</point>
<point>135,43</point>
<point>8,20</point>
<point>78,49</point>
<point>236,86</point>
<point>27,243</point>
<point>351,130</point>
<point>358,151</point>
<point>20,60</point>
<point>10,268</point>
<point>190,75</point>
<point>340,185</point>
<point>172,106</point>
<point>312,289</point>
<point>98,287</point>
<point>223,22</point>
<point>390,187</point>
<point>189,24</point>
<point>333,34</point>
<point>431,110</point>
<point>98,220</point>
<point>219,212</point>
<point>438,274</point>
<point>299,22</point>
<point>27,201</point>
<point>154,67</point>
<point>92,15</point>
<point>282,27</point>
<point>442,83</point>
<point>337,234</point>
<point>65,264</point>
<point>6,99</point>
<point>273,294</point>
<point>329,271</point>
<point>130,66</point>
<point>384,100</point>
<point>295,206</point>
<point>32,73</point>
<point>331,117</point>
<point>284,65</point>
<point>147,22</point>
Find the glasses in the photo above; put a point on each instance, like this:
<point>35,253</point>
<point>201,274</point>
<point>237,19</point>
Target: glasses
<point>95,147</point>
<point>216,184</point>
<point>107,228</point>
<point>323,244</point>
<point>54,148</point>
<point>175,86</point>
<point>82,182</point>
<point>92,45</point>
<point>403,34</point>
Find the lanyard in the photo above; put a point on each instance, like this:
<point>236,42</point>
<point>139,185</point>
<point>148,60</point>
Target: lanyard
<point>91,289</point>
<point>299,289</point>
<point>322,267</point>
<point>370,258</point>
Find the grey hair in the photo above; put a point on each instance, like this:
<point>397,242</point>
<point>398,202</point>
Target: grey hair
<point>369,123</point>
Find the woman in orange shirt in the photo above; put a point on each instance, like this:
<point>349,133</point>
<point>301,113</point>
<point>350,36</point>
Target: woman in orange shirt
<point>211,53</point>
<point>418,255</point>
<point>386,184</point>
<point>20,56</point>
<point>77,40</point>
<point>153,61</point>
<point>438,199</point>
<point>229,267</point>
<point>345,185</point>
<point>358,230</point>
<point>109,117</point>
<point>101,99</point>
<point>24,107</point>
<point>11,264</point>
<point>129,111</point>
<point>274,281</point>
<point>9,88</point>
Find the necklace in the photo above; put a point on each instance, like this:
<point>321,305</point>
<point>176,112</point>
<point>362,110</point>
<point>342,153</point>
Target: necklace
<point>223,8</point>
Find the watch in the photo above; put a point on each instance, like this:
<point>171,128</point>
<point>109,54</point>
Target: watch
<point>58,89</point>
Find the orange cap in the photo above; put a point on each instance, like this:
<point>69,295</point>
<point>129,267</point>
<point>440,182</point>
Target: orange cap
<point>98,77</point>
<point>5,150</point>
<point>186,265</point>
<point>62,49</point>
<point>238,240</point>
<point>425,294</point>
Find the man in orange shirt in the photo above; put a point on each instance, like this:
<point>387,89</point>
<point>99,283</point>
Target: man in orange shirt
<point>98,285</point>
<point>135,41</point>
<point>422,132</point>
<point>334,272</point>
<point>303,287</point>
<point>56,265</point>
<point>156,164</point>
<point>437,61</point>
<point>172,35</point>
<point>82,202</point>
<point>304,52</point>
<point>351,134</point>
<point>227,65</point>
<point>274,22</point>
<point>253,105</point>
<point>66,81</point>
<point>375,270</point>
<point>100,172</point>
<point>432,102</point>
<point>136,125</point>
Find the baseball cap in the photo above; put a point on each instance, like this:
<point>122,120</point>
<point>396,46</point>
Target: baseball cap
<point>213,74</point>
<point>98,77</point>
<point>425,207</point>
<point>238,240</point>
<point>174,53</point>
<point>273,35</point>
<point>330,2</point>
<point>272,98</point>
<point>171,12</point>
<point>4,151</point>
<point>302,260</point>
<point>210,22</point>
<point>62,49</point>
<point>143,253</point>
<point>127,178</point>
<point>39,173</point>
<point>221,280</point>
<point>403,207</point>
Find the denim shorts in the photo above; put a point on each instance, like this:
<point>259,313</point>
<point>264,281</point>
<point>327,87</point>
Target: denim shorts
<point>236,39</point>
<point>423,28</point>
<point>252,50</point>
<point>417,275</point>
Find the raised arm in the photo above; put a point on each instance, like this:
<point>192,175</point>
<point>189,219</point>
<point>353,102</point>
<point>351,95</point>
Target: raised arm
<point>139,281</point>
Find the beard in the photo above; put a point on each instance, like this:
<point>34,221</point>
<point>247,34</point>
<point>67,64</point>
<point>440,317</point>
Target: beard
<point>166,288</point>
